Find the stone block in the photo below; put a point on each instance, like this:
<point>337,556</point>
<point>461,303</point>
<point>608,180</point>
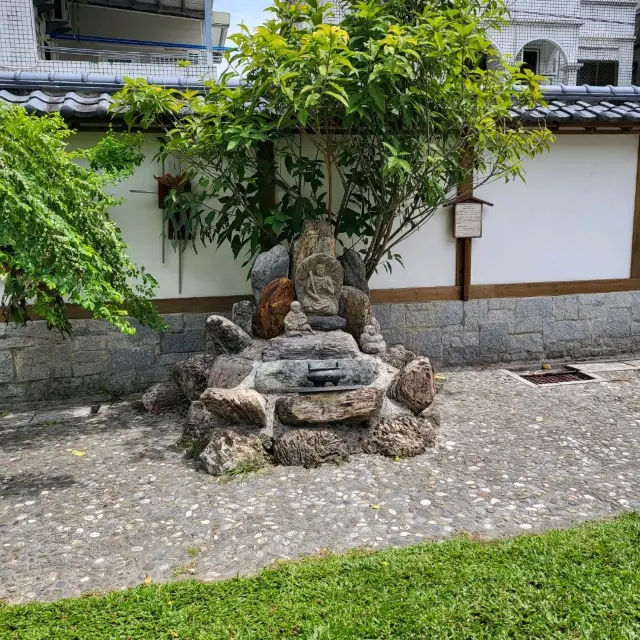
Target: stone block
<point>434,314</point>
<point>164,359</point>
<point>566,308</point>
<point>150,376</point>
<point>494,339</point>
<point>95,342</point>
<point>618,323</point>
<point>532,324</point>
<point>502,304</point>
<point>503,316</point>
<point>470,339</point>
<point>566,330</point>
<point>470,318</point>
<point>133,358</point>
<point>187,342</point>
<point>591,311</point>
<point>527,307</point>
<point>390,315</point>
<point>143,336</point>
<point>174,322</point>
<point>41,363</point>
<point>6,367</point>
<point>530,343</point>
<point>87,363</point>
<point>16,342</point>
<point>83,327</point>
<point>426,342</point>
<point>197,321</point>
<point>397,336</point>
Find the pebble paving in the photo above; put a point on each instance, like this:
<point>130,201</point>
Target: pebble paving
<point>96,503</point>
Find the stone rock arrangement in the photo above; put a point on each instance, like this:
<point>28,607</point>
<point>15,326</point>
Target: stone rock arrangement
<point>262,398</point>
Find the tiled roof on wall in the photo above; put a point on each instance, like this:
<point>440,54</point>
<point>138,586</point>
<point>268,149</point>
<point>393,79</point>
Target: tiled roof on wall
<point>87,95</point>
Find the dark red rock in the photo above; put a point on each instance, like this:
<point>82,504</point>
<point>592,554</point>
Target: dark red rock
<point>275,301</point>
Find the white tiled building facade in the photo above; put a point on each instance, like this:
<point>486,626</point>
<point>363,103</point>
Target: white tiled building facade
<point>573,41</point>
<point>117,37</point>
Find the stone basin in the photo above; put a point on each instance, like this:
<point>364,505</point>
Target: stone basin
<point>282,376</point>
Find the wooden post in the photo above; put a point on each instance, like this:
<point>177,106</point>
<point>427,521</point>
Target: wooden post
<point>463,245</point>
<point>266,183</point>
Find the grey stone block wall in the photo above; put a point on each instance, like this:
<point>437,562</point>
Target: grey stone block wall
<point>504,330</point>
<point>38,364</point>
<point>97,360</point>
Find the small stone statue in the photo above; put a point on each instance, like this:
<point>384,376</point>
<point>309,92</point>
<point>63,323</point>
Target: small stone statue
<point>320,293</point>
<point>295,322</point>
<point>371,341</point>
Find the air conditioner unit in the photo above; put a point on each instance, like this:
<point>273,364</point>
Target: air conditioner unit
<point>60,21</point>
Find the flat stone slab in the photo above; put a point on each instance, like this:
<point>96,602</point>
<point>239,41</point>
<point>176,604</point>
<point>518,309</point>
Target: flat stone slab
<point>330,345</point>
<point>282,376</point>
<point>597,367</point>
<point>509,460</point>
<point>347,407</point>
<point>327,323</point>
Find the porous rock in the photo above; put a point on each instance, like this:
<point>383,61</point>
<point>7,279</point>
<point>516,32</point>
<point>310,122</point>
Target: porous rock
<point>355,273</point>
<point>283,375</point>
<point>227,336</point>
<point>309,448</point>
<point>199,428</point>
<point>229,371</point>
<point>328,345</point>
<point>243,314</point>
<point>230,451</point>
<point>326,323</point>
<point>163,395</point>
<point>356,309</point>
<point>397,356</point>
<point>414,385</point>
<point>316,237</point>
<point>339,407</point>
<point>268,266</point>
<point>191,375</point>
<point>236,406</point>
<point>275,302</point>
<point>401,436</point>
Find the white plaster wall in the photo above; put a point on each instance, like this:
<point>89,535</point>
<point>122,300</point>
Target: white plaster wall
<point>571,220</point>
<point>210,272</point>
<point>429,257</point>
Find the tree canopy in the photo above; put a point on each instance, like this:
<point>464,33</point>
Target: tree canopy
<point>376,122</point>
<point>57,241</point>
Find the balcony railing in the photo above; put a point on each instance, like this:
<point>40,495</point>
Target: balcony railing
<point>176,62</point>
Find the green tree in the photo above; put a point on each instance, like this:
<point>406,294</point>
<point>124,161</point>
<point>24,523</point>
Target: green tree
<point>57,242</point>
<point>376,122</point>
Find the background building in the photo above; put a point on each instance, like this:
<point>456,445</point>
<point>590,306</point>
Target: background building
<point>166,38</point>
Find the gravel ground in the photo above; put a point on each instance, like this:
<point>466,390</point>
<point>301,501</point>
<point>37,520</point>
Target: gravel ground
<point>92,504</point>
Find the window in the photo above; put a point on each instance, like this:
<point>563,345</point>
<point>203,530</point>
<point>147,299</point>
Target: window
<point>530,59</point>
<point>598,73</point>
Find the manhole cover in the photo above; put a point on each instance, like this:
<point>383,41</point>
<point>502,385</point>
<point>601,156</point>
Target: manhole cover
<point>559,375</point>
<point>556,377</point>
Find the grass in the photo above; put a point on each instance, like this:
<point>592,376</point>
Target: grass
<point>582,583</point>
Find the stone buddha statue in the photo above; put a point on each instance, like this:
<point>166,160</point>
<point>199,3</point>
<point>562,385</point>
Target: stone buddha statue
<point>371,341</point>
<point>295,322</point>
<point>319,293</point>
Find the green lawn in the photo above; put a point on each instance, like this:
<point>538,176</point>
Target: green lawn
<point>582,583</point>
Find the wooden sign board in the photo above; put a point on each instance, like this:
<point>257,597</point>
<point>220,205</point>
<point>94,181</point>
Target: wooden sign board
<point>467,220</point>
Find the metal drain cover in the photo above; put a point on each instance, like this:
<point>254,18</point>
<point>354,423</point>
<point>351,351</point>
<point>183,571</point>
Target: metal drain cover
<point>559,375</point>
<point>556,377</point>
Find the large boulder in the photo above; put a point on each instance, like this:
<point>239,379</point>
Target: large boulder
<point>337,407</point>
<point>309,448</point>
<point>229,371</point>
<point>356,309</point>
<point>230,452</point>
<point>191,375</point>
<point>198,429</point>
<point>275,302</point>
<point>236,406</point>
<point>161,396</point>
<point>227,336</point>
<point>243,314</point>
<point>355,273</point>
<point>316,237</point>
<point>397,356</point>
<point>401,436</point>
<point>329,345</point>
<point>414,386</point>
<point>268,266</point>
